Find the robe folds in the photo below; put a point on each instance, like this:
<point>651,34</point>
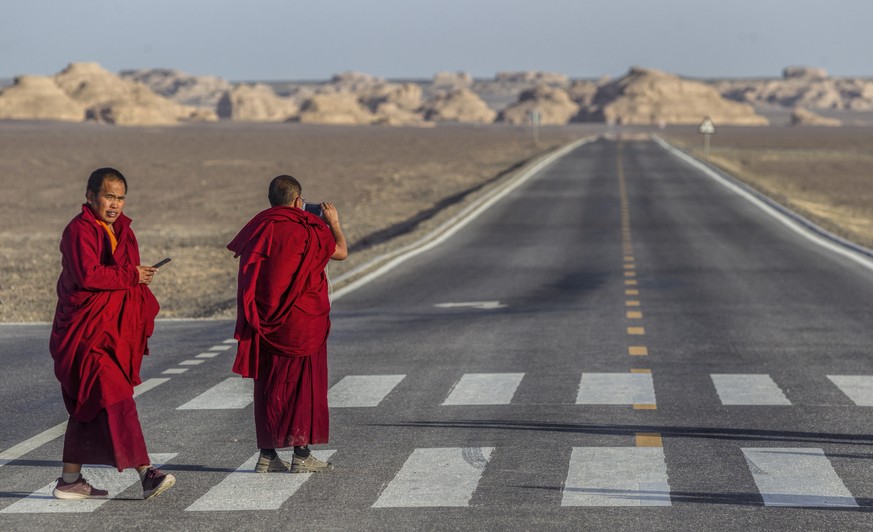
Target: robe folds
<point>283,323</point>
<point>100,332</point>
<point>282,300</point>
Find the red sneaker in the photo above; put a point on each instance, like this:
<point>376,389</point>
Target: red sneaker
<point>79,489</point>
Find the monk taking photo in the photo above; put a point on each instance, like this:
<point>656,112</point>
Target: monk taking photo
<point>283,322</point>
<point>104,317</point>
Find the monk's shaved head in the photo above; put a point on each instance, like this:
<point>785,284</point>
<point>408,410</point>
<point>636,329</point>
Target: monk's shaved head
<point>284,189</point>
<point>95,180</point>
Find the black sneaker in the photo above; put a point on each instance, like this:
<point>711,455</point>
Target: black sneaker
<point>156,482</point>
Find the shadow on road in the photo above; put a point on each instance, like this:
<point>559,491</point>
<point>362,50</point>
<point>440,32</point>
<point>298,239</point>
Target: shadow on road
<point>665,431</point>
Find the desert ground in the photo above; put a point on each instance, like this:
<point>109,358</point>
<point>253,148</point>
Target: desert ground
<point>824,173</point>
<point>191,188</point>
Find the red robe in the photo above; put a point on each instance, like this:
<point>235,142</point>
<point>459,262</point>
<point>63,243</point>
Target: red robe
<point>283,323</point>
<point>102,322</point>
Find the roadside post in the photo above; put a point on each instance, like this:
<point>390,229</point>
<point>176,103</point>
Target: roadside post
<point>706,129</point>
<point>535,118</point>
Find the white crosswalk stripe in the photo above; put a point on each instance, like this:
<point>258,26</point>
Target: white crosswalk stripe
<point>220,347</point>
<point>616,476</point>
<point>616,389</point>
<point>796,477</point>
<point>748,389</point>
<point>246,490</point>
<point>149,384</point>
<point>231,393</point>
<point>103,477</point>
<point>436,477</point>
<point>484,389</point>
<point>361,390</point>
<point>859,388</point>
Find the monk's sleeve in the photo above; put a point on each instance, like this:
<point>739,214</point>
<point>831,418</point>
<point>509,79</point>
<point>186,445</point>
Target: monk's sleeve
<point>80,247</point>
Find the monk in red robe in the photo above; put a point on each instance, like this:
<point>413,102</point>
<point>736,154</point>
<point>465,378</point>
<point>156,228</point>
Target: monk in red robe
<point>283,322</point>
<point>104,317</point>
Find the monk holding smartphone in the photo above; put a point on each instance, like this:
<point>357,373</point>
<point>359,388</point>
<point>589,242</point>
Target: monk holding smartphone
<point>104,317</point>
<point>283,322</point>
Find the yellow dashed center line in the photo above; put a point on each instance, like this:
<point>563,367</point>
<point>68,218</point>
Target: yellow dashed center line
<point>643,439</point>
<point>649,439</point>
<point>629,269</point>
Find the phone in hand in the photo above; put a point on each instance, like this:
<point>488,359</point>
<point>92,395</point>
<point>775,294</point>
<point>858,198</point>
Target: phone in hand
<point>161,263</point>
<point>314,208</point>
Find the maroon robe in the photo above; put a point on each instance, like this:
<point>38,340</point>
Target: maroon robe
<point>102,322</point>
<point>283,323</point>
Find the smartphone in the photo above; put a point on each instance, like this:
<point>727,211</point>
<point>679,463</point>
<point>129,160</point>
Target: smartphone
<point>314,208</point>
<point>159,264</point>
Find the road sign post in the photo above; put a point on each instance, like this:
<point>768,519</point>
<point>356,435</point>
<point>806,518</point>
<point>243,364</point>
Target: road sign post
<point>535,118</point>
<point>706,129</point>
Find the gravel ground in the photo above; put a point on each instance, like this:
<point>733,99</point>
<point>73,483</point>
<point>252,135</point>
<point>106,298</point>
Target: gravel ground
<point>824,173</point>
<point>192,188</point>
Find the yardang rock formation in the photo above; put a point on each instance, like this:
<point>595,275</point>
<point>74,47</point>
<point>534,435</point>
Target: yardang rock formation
<point>644,96</point>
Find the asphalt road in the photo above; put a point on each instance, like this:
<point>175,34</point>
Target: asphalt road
<point>622,343</point>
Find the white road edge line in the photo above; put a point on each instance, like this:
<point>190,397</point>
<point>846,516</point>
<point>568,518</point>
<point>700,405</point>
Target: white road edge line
<point>784,215</point>
<point>449,228</point>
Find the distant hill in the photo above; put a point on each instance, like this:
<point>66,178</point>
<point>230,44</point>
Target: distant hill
<point>642,96</point>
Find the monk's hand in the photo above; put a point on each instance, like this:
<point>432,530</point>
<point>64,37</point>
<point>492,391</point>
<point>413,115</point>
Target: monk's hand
<point>146,274</point>
<point>331,216</point>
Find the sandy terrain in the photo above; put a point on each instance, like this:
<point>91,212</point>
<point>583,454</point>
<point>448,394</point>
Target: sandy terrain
<point>824,173</point>
<point>193,187</point>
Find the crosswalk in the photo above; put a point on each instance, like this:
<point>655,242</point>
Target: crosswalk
<point>246,490</point>
<point>797,477</point>
<point>591,476</point>
<point>636,388</point>
<point>451,476</point>
<point>734,389</point>
<point>617,476</point>
<point>439,477</point>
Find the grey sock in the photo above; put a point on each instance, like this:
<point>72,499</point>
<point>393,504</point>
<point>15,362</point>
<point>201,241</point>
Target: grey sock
<point>69,478</point>
<point>142,473</point>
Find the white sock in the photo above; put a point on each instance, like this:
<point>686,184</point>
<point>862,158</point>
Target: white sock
<point>142,473</point>
<point>69,478</point>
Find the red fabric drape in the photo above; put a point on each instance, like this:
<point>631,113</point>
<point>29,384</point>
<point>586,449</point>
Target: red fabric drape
<point>103,318</point>
<point>114,437</point>
<point>290,401</point>
<point>282,300</point>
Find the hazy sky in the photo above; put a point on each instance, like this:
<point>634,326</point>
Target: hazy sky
<point>286,39</point>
